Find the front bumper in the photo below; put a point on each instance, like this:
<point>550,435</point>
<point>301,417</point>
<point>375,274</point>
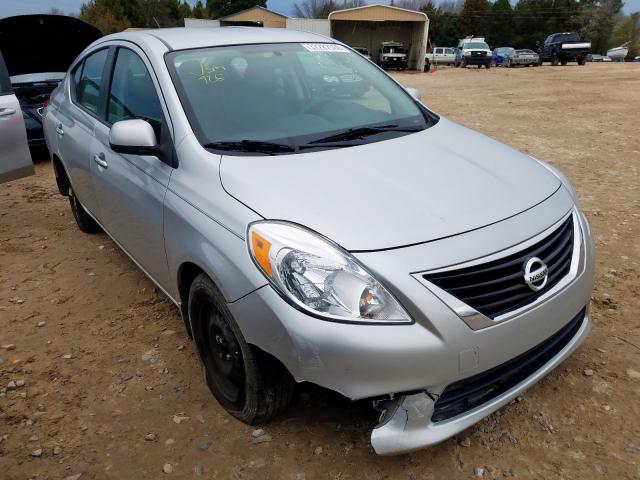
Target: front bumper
<point>406,422</point>
<point>440,348</point>
<point>477,60</point>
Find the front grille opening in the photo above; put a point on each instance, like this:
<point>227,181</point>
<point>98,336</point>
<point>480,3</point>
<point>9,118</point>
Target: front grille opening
<point>469,393</point>
<point>498,287</point>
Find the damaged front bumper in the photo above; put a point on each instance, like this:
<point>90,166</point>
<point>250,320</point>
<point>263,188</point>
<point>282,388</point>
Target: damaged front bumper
<point>406,422</point>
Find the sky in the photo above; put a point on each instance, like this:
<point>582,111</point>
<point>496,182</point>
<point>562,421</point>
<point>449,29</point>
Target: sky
<point>17,7</point>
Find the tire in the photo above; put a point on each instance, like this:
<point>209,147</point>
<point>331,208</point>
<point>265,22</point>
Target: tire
<point>248,383</point>
<point>555,60</point>
<point>488,65</point>
<point>582,61</point>
<point>427,67</point>
<point>563,62</point>
<point>463,63</point>
<point>84,221</point>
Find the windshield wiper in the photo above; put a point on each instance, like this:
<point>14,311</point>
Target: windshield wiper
<point>361,132</point>
<point>257,146</point>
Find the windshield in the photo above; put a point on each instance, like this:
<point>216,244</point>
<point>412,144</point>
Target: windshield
<point>476,45</point>
<point>567,37</point>
<point>393,49</point>
<point>289,94</point>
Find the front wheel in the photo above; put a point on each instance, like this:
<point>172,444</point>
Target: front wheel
<point>248,383</point>
<point>487,65</point>
<point>582,60</point>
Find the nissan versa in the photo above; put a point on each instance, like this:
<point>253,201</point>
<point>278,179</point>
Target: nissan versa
<point>314,222</point>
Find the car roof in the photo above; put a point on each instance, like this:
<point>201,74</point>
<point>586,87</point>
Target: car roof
<point>185,38</point>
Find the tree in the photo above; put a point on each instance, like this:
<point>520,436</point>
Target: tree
<point>627,30</point>
<point>222,8</point>
<point>501,23</point>
<point>199,10</point>
<point>474,18</point>
<point>599,19</point>
<point>111,16</point>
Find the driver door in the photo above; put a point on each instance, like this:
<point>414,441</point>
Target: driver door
<point>130,189</point>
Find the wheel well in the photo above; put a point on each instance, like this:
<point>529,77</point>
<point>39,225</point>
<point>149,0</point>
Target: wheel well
<point>186,274</point>
<point>61,176</point>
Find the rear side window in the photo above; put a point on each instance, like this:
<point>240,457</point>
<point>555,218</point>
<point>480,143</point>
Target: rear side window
<point>5,82</point>
<point>132,93</point>
<point>88,85</point>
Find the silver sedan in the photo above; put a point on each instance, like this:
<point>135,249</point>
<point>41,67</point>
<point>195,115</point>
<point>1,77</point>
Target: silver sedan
<point>314,222</point>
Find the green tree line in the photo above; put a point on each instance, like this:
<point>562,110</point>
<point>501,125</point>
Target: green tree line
<point>500,22</point>
<point>530,21</point>
<point>116,15</point>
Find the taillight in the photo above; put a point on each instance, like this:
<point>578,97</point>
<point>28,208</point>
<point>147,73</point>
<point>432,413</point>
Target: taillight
<point>46,104</point>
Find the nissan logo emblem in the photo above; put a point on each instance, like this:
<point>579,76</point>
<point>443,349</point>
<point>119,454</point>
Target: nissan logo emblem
<point>536,273</point>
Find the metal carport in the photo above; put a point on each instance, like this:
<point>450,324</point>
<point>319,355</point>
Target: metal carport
<point>371,25</point>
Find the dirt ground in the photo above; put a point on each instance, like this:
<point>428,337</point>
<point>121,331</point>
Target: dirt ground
<point>113,389</point>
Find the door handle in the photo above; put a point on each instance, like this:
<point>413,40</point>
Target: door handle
<point>99,159</point>
<point>59,129</point>
<point>6,112</point>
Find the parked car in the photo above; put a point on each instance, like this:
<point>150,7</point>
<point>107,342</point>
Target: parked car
<point>363,51</point>
<point>392,55</point>
<point>595,58</point>
<point>440,56</point>
<point>473,51</point>
<point>502,56</point>
<point>15,158</point>
<point>38,50</point>
<point>606,58</point>
<point>308,236</point>
<point>561,48</point>
<point>526,57</point>
<point>636,59</point>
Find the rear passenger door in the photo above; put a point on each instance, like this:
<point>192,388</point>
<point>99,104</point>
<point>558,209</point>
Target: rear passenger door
<point>76,121</point>
<point>15,159</point>
<point>130,188</point>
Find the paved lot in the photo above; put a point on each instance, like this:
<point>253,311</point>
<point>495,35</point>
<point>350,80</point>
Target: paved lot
<point>106,362</point>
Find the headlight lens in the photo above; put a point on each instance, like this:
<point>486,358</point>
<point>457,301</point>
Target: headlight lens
<point>319,277</point>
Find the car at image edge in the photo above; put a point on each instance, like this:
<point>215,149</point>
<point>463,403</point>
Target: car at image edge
<point>310,235</point>
<point>38,50</point>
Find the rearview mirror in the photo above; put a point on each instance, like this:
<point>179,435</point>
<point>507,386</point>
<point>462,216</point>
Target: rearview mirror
<point>133,136</point>
<point>415,93</point>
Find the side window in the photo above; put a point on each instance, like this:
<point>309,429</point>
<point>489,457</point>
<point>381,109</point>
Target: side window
<point>75,80</point>
<point>88,87</point>
<point>5,82</point>
<point>132,93</point>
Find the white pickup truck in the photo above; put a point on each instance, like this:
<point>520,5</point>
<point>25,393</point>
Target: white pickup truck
<point>440,56</point>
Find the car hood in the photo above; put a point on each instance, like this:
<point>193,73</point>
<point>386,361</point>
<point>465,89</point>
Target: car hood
<point>43,43</point>
<point>413,189</point>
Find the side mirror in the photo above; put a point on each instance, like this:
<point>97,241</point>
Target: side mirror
<point>133,136</point>
<point>415,93</point>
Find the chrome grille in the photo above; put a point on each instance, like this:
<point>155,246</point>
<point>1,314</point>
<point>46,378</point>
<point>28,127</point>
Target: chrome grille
<point>498,287</point>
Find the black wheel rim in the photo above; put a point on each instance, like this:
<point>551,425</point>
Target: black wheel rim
<point>221,355</point>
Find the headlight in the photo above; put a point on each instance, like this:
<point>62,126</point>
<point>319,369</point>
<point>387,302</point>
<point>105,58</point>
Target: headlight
<point>319,277</point>
<point>467,54</point>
